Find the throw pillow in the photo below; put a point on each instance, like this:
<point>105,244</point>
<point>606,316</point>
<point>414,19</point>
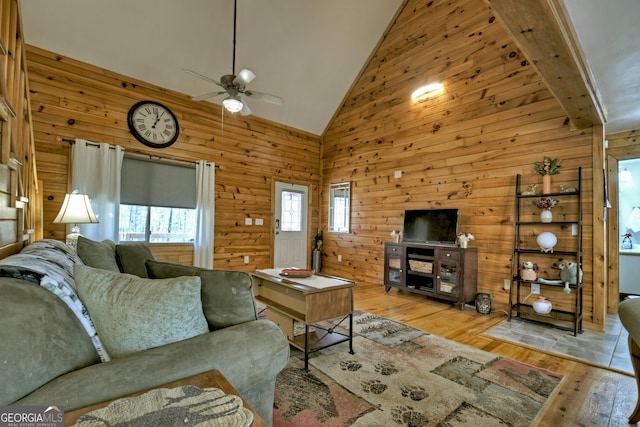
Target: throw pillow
<point>98,254</point>
<point>131,258</point>
<point>227,296</point>
<point>133,314</point>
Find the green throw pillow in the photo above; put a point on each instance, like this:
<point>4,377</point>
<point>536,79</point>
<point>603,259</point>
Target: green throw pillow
<point>98,254</point>
<point>227,296</point>
<point>133,314</point>
<point>131,258</point>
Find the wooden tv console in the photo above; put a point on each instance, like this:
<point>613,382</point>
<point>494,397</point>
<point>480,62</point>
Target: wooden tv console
<point>438,271</point>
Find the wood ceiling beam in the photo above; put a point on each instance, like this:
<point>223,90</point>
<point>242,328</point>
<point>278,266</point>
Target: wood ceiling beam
<point>541,30</point>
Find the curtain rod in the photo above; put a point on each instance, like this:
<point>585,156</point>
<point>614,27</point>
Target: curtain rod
<point>142,153</point>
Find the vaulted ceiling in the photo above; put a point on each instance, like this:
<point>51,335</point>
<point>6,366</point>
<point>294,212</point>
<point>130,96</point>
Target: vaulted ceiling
<point>307,52</point>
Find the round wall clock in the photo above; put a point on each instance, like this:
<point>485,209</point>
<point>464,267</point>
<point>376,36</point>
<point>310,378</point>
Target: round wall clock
<point>153,124</point>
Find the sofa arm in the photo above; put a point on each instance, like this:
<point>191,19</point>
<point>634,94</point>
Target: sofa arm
<point>227,296</point>
<point>248,355</point>
<point>629,313</point>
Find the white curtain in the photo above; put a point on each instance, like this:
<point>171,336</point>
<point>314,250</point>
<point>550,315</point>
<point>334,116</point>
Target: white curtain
<point>205,214</point>
<point>95,171</point>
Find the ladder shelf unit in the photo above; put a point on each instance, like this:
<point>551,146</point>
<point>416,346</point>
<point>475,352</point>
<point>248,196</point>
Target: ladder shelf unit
<point>567,311</point>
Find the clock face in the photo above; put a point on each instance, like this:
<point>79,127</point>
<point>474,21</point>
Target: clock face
<point>153,124</point>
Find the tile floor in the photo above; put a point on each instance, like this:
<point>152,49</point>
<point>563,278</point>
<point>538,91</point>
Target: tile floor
<point>608,349</point>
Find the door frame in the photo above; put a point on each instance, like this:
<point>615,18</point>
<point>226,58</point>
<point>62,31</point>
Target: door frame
<point>613,156</point>
<point>272,235</point>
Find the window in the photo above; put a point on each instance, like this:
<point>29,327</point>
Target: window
<point>339,207</point>
<point>157,202</point>
<point>156,224</point>
<point>291,211</point>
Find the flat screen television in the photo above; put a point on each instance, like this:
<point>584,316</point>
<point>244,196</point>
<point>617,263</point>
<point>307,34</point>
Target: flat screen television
<point>431,226</point>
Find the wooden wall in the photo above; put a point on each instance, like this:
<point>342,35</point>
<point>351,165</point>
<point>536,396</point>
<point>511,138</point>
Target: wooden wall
<point>461,149</point>
<point>71,99</point>
<point>458,150</point>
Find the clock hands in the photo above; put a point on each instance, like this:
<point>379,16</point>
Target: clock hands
<point>158,116</point>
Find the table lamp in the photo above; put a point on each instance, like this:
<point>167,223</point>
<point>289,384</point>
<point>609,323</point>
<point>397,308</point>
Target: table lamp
<point>76,209</point>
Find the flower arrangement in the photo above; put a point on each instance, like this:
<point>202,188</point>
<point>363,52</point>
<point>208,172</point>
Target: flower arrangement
<point>548,166</point>
<point>545,203</point>
<point>529,265</point>
<point>463,239</point>
<point>396,235</point>
<point>465,236</point>
<point>528,270</point>
<point>626,241</point>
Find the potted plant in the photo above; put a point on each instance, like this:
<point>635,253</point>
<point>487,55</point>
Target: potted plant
<point>463,239</point>
<point>545,203</point>
<point>546,168</point>
<point>528,270</point>
<point>626,241</point>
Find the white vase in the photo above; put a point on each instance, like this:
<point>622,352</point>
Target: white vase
<point>542,306</point>
<point>546,215</point>
<point>546,240</point>
<point>464,243</point>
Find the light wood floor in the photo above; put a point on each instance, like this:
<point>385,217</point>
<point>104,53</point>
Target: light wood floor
<point>588,396</point>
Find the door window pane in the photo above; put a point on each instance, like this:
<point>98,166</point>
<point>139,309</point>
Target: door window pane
<point>291,211</point>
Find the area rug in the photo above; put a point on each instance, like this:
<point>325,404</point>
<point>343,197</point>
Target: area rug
<point>401,376</point>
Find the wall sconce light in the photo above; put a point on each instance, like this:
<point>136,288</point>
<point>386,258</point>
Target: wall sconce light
<point>76,209</point>
<point>425,91</point>
<point>625,175</point>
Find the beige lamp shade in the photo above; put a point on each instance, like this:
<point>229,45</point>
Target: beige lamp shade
<point>76,209</point>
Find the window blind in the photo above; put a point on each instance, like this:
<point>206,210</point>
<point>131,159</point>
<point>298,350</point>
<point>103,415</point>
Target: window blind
<point>151,183</point>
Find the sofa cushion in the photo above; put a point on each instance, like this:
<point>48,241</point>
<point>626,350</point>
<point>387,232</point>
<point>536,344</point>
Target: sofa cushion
<point>132,313</point>
<point>50,263</point>
<point>98,254</point>
<point>131,258</point>
<point>227,296</point>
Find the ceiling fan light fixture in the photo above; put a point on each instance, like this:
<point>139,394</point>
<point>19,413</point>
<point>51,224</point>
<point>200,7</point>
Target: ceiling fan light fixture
<point>232,104</point>
<point>423,92</point>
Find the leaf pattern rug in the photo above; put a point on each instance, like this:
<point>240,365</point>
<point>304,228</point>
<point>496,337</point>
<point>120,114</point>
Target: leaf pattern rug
<point>401,376</point>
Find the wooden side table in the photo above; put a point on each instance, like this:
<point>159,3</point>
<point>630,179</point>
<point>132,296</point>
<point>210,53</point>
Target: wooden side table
<point>204,380</point>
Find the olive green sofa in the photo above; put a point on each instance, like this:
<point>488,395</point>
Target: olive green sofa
<point>48,357</point>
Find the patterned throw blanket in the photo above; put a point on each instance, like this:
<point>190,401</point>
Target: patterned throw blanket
<point>49,263</point>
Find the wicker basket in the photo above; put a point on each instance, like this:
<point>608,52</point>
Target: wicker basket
<point>421,266</point>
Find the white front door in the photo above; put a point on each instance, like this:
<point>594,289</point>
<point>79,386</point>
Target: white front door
<point>290,226</point>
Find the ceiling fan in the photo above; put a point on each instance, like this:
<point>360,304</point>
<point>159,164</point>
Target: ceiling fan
<point>235,85</point>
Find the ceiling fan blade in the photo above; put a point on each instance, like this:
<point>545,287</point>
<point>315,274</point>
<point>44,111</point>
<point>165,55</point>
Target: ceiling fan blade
<point>207,96</point>
<point>203,77</point>
<point>245,108</point>
<point>244,77</point>
<point>272,99</point>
